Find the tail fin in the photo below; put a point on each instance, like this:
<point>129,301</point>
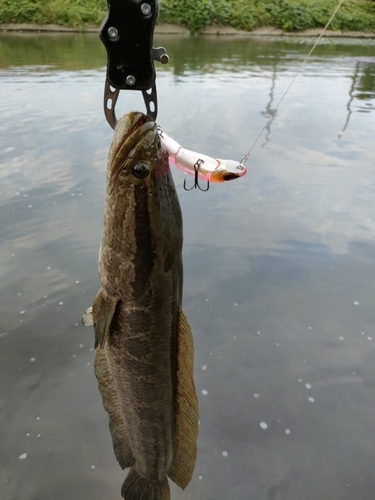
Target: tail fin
<point>136,487</point>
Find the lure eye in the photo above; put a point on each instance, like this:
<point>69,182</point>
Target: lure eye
<point>141,170</point>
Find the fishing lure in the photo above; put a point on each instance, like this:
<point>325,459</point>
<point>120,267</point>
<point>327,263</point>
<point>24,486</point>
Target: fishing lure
<point>200,165</point>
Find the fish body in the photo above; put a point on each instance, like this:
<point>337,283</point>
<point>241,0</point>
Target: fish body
<point>210,169</point>
<point>144,359</point>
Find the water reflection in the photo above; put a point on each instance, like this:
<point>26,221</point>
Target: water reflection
<point>278,266</point>
<point>271,110</point>
<point>362,87</point>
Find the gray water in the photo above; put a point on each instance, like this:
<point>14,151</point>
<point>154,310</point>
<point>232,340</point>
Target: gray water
<point>279,266</point>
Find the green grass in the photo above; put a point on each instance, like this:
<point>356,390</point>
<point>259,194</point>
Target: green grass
<point>289,15</point>
<point>77,13</point>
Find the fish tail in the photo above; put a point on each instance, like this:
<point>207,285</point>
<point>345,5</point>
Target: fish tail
<point>136,487</point>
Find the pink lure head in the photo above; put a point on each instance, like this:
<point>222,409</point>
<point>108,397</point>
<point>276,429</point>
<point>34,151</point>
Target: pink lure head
<point>227,170</point>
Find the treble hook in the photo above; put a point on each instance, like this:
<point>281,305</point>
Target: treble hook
<point>196,185</point>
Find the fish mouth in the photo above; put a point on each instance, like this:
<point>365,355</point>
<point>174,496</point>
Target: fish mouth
<point>131,128</point>
<point>136,121</point>
<point>130,131</point>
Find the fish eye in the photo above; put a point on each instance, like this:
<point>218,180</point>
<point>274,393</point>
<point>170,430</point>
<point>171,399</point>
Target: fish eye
<point>141,170</point>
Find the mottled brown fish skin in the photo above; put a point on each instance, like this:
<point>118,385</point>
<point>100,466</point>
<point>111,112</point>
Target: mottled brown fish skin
<point>137,313</point>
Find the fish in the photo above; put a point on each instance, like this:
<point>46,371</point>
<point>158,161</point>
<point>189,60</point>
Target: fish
<point>208,168</point>
<point>143,341</point>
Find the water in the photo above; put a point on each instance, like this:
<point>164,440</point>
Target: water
<point>279,266</point>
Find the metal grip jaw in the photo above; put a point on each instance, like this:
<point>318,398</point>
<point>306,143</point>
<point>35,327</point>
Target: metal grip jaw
<point>127,34</point>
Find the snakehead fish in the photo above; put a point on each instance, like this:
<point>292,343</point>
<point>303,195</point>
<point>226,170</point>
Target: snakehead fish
<point>144,344</point>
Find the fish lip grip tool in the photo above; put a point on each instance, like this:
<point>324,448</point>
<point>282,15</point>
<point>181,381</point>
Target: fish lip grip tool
<point>127,34</point>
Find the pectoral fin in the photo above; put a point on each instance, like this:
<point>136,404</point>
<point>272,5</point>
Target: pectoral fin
<point>111,405</point>
<point>103,309</point>
<point>185,450</point>
<point>87,317</point>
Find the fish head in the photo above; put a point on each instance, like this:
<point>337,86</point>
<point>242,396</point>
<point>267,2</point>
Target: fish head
<point>142,230</point>
<point>136,157</point>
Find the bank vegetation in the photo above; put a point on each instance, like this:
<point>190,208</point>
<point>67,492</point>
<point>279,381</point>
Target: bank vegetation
<point>288,15</point>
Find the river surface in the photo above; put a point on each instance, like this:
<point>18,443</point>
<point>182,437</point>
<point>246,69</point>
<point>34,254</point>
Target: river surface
<point>279,265</point>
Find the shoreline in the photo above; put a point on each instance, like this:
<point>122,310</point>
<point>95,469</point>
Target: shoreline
<point>174,29</point>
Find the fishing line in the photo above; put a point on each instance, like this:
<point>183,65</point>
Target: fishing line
<point>245,158</point>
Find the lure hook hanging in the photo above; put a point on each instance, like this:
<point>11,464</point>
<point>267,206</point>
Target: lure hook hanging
<point>196,185</point>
